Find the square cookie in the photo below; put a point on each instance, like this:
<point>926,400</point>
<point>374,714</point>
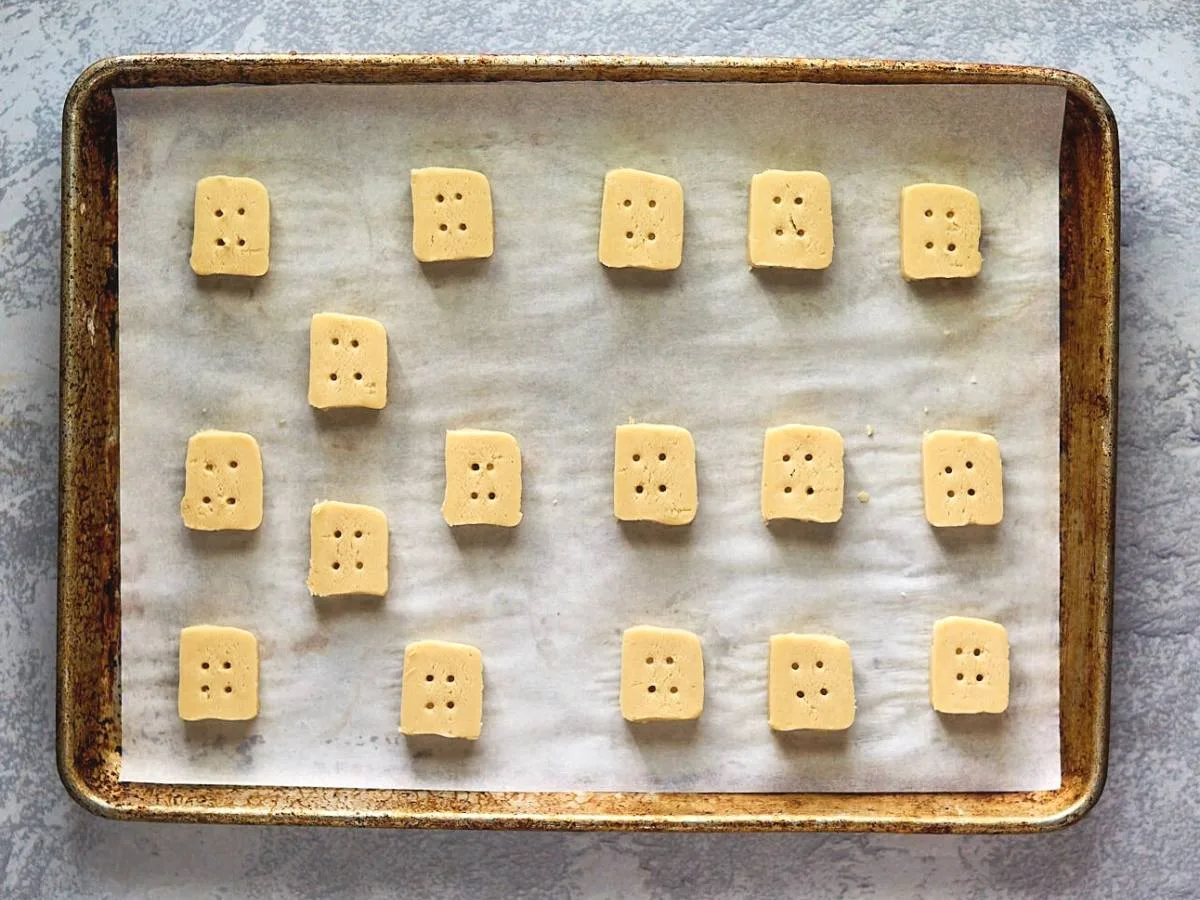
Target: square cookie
<point>483,478</point>
<point>641,221</point>
<point>968,666</point>
<point>803,474</point>
<point>962,478</point>
<point>218,673</point>
<point>231,234</point>
<point>791,220</point>
<point>810,683</point>
<point>222,482</point>
<point>452,214</point>
<point>347,362</point>
<point>442,690</point>
<point>939,232</point>
<point>349,550</point>
<point>662,674</point>
<point>654,475</point>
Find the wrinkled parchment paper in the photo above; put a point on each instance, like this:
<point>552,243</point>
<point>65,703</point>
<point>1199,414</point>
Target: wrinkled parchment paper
<point>543,342</point>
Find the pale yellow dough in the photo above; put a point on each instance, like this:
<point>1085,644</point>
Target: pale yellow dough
<point>791,220</point>
<point>641,221</point>
<point>962,477</point>
<point>222,482</point>
<point>654,474</point>
<point>442,690</point>
<point>232,227</point>
<point>810,683</point>
<point>939,232</point>
<point>662,674</point>
<point>218,673</point>
<point>347,362</point>
<point>349,550</point>
<point>452,215</point>
<point>483,478</point>
<point>803,474</point>
<point>968,666</point>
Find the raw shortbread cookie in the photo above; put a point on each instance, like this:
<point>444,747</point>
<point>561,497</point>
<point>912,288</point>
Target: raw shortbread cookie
<point>218,673</point>
<point>939,232</point>
<point>662,674</point>
<point>452,214</point>
<point>223,482</point>
<point>349,550</point>
<point>968,666</point>
<point>791,220</point>
<point>483,478</point>
<point>641,221</point>
<point>962,478</point>
<point>232,231</point>
<point>654,475</point>
<point>347,362</point>
<point>803,476</point>
<point>442,690</point>
<point>810,683</point>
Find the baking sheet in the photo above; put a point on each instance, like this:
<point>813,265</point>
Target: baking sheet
<point>543,342</point>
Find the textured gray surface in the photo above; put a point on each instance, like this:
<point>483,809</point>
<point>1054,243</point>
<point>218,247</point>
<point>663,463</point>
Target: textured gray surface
<point>1139,841</point>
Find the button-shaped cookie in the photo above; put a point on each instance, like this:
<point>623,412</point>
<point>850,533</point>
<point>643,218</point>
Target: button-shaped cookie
<point>442,690</point>
<point>803,475</point>
<point>791,220</point>
<point>810,683</point>
<point>641,221</point>
<point>483,478</point>
<point>452,214</point>
<point>348,550</point>
<point>218,673</point>
<point>968,666</point>
<point>662,674</point>
<point>232,227</point>
<point>939,232</point>
<point>654,475</point>
<point>223,482</point>
<point>962,478</point>
<point>347,362</point>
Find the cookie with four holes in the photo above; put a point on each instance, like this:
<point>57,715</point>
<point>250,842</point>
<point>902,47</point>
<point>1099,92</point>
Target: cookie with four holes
<point>483,478</point>
<point>231,234</point>
<point>803,474</point>
<point>810,683</point>
<point>223,482</point>
<point>791,220</point>
<point>662,674</point>
<point>963,478</point>
<point>347,362</point>
<point>218,673</point>
<point>654,475</point>
<point>939,232</point>
<point>968,666</point>
<point>349,550</point>
<point>452,215</point>
<point>641,221</point>
<point>442,691</point>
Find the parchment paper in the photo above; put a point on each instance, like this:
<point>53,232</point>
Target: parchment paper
<point>543,342</point>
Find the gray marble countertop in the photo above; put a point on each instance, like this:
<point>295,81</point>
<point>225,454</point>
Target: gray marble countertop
<point>1142,838</point>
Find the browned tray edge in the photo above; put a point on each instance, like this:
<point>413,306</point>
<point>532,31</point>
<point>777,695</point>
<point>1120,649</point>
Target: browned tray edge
<point>88,697</point>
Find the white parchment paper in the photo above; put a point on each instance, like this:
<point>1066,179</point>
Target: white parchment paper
<point>543,342</point>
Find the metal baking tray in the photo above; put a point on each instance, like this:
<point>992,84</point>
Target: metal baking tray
<point>89,596</point>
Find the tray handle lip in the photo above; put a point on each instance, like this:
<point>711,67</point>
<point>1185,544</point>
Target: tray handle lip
<point>82,783</point>
<point>1063,807</point>
<point>107,71</point>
